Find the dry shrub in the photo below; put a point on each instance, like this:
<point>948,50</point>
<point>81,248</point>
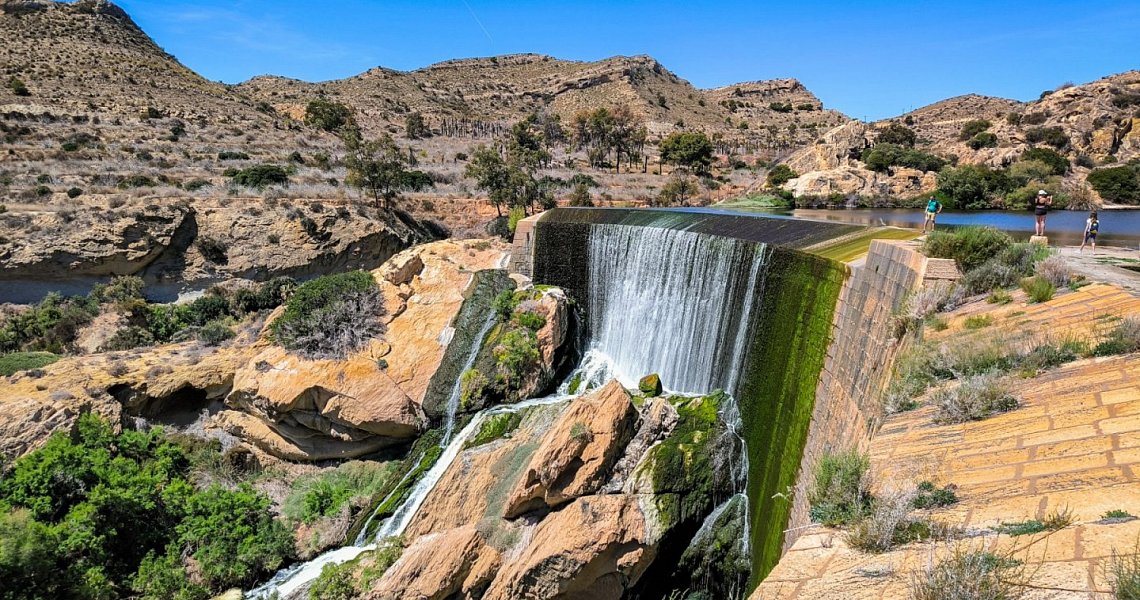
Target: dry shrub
<point>1055,270</point>
<point>970,574</point>
<point>976,397</point>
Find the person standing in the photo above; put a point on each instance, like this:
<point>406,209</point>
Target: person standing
<point>933,207</point>
<point>1041,209</point>
<point>1092,227</point>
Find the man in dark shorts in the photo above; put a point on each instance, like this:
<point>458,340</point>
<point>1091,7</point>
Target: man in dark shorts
<point>1040,209</point>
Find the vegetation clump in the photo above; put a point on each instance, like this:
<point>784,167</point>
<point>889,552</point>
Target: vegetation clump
<point>13,363</point>
<point>974,398</point>
<point>1123,339</point>
<point>969,574</point>
<point>970,247</point>
<point>331,316</point>
<point>327,493</point>
<point>931,496</point>
<point>494,427</point>
<point>883,156</point>
<point>260,176</point>
<point>75,506</point>
<point>686,477</point>
<point>840,493</point>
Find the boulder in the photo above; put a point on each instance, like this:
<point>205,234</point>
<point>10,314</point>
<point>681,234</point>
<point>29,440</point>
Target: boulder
<point>455,563</point>
<point>597,547</point>
<point>575,456</point>
<point>650,385</point>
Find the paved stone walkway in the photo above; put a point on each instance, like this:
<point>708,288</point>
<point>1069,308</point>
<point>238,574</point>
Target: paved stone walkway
<point>1074,443</point>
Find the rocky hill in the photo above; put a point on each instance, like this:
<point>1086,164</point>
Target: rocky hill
<point>1092,125</point>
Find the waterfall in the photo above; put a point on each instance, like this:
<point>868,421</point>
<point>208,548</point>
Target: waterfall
<point>457,389</point>
<point>292,579</point>
<point>672,302</point>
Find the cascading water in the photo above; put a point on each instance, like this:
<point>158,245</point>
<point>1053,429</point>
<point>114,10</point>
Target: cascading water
<point>672,302</point>
<point>457,389</point>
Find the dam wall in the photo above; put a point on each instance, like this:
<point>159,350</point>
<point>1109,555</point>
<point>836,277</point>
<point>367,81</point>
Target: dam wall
<point>809,340</point>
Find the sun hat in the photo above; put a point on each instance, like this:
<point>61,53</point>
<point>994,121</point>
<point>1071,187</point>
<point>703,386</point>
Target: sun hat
<point>1042,193</point>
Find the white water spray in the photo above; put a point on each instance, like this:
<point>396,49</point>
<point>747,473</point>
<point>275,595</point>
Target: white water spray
<point>457,389</point>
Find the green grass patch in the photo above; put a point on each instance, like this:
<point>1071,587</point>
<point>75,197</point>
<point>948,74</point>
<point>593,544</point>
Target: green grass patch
<point>325,494</point>
<point>13,363</point>
<point>1039,289</point>
<point>930,496</point>
<point>999,297</point>
<point>978,322</point>
<point>840,492</point>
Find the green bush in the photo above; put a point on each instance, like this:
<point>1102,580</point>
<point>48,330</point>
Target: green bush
<point>969,575</point>
<point>195,184</point>
<point>781,174</point>
<point>516,355</point>
<point>51,325</point>
<point>1059,164</point>
<point>929,496</point>
<point>136,181</point>
<point>973,128</point>
<point>331,316</point>
<point>973,186</point>
<point>131,336</point>
<point>326,115</point>
<point>840,492</point>
<point>232,155</point>
<point>984,139</point>
<point>974,398</point>
<point>76,505</point>
<point>259,176</point>
<point>18,88</point>
<point>212,249</point>
<point>266,296</point>
<point>1123,339</point>
<point>1117,184</point>
<point>325,494</point>
<point>74,192</point>
<point>1123,570</point>
<point>897,134</point>
<point>968,246</point>
<point>1039,289</point>
<point>214,333</point>
<point>15,362</point>
<point>881,157</point>
<point>1052,136</point>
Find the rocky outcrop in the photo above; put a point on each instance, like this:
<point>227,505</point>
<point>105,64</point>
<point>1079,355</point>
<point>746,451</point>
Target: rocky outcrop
<point>839,147</point>
<point>305,409</point>
<point>597,547</point>
<point>576,455</point>
<point>900,182</point>
<point>456,563</point>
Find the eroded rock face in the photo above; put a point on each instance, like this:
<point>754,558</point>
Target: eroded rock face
<point>305,409</point>
<point>576,455</point>
<point>455,563</point>
<point>857,181</point>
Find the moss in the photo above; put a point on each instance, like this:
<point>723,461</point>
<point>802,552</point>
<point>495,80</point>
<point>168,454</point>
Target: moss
<point>422,455</point>
<point>575,383</point>
<point>681,465</point>
<point>493,428</point>
<point>15,362</point>
<point>792,330</point>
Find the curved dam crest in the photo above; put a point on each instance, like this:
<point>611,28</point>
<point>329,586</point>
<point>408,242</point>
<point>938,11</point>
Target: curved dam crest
<point>786,331</point>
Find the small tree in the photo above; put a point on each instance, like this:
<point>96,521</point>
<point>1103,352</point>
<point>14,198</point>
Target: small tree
<point>581,196</point>
<point>898,134</point>
<point>973,128</point>
<point>680,189</point>
<point>781,174</point>
<point>377,167</point>
<point>328,116</point>
<point>688,149</point>
<point>415,127</point>
<point>1118,184</point>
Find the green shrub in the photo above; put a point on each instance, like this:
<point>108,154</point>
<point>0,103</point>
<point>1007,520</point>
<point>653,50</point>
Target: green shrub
<point>42,191</point>
<point>259,176</point>
<point>331,316</point>
<point>325,494</point>
<point>74,192</point>
<point>1123,574</point>
<point>195,184</point>
<point>1058,164</point>
<point>970,247</point>
<point>334,583</point>
<point>973,186</point>
<point>136,181</point>
<point>1039,289</point>
<point>881,157</point>
<point>929,496</point>
<point>77,504</point>
<point>51,325</point>
<point>326,115</point>
<point>15,362</point>
<point>1123,339</point>
<point>232,155</point>
<point>266,296</point>
<point>978,322</point>
<point>1117,184</point>
<point>999,296</point>
<point>1052,136</point>
<point>214,333</point>
<point>983,140</point>
<point>973,128</point>
<point>974,398</point>
<point>897,134</point>
<point>841,489</point>
<point>992,275</point>
<point>1117,514</point>
<point>126,338</point>
<point>780,174</point>
<point>18,88</point>
<point>516,356</point>
<point>529,320</point>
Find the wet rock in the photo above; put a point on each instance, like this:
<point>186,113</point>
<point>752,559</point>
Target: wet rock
<point>455,563</point>
<point>576,455</point>
<point>650,385</point>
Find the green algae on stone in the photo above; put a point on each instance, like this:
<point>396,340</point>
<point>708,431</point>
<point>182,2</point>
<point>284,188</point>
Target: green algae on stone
<point>650,385</point>
<point>494,427</point>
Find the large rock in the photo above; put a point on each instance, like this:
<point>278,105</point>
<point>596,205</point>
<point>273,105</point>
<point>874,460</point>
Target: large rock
<point>575,456</point>
<point>320,409</point>
<point>597,547</point>
<point>456,563</point>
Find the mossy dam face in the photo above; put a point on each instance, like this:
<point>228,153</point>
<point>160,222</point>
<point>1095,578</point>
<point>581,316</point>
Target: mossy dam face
<point>747,304</point>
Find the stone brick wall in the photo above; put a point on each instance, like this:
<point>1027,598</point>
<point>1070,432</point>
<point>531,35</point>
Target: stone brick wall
<point>522,247</point>
<point>858,362</point>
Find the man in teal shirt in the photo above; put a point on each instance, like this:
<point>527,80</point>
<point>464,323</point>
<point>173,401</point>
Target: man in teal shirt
<point>933,207</point>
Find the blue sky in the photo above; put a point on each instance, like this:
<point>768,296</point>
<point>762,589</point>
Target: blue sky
<point>870,59</point>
